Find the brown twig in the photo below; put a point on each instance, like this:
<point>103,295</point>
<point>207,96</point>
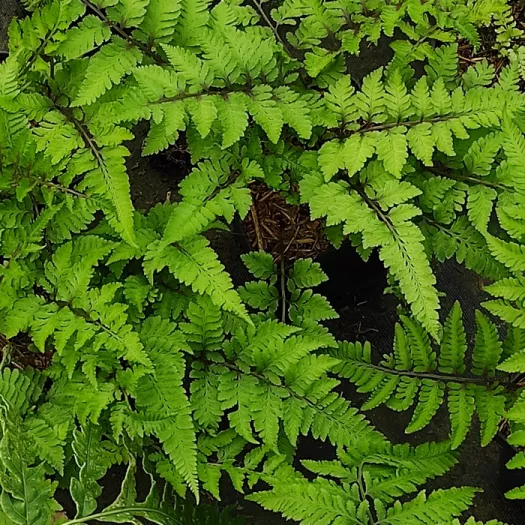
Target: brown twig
<point>260,243</point>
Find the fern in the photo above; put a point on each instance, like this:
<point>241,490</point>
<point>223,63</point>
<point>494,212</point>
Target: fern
<point>414,370</point>
<point>27,496</point>
<point>402,124</point>
<point>196,265</point>
<point>163,401</point>
<point>159,363</point>
<point>374,469</point>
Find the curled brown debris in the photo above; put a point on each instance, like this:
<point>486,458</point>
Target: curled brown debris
<point>282,229</point>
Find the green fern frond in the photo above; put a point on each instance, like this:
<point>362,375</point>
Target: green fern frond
<point>196,265</point>
<point>27,496</point>
<point>106,69</point>
<point>414,376</point>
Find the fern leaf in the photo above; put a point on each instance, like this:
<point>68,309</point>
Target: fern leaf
<point>311,307</point>
<point>295,112</point>
<point>260,264</point>
<point>505,310</point>
<point>339,101</point>
<point>48,441</point>
<point>397,100</point>
<point>321,502</point>
<point>205,402</point>
<point>335,419</point>
<point>195,264</point>
<point>516,493</point>
<point>238,391</point>
<point>260,295</point>
<point>420,99</point>
<point>491,410</point>
<point>481,154</point>
<point>203,112</point>
<point>233,117</point>
<point>114,179</point>
<point>514,341</point>
<point>441,506</point>
<point>402,351</point>
<point>307,274</point>
<point>370,100</point>
<point>166,132</point>
<point>442,136</point>
<point>93,461</point>
<point>128,13</point>
<point>163,399</point>
<point>511,254</point>
<point>454,343</point>
<point>194,15</point>
<point>105,69</point>
<point>421,142</point>
<point>160,19</point>
<point>331,158</point>
<point>391,148</point>
<point>405,256</point>
<point>487,349</point>
<point>430,399</point>
<point>479,204</point>
<point>514,363</point>
<point>266,112</point>
<point>27,496</point>
<point>20,389</point>
<point>461,405</point>
<point>267,413</point>
<point>90,33</point>
<point>356,151</point>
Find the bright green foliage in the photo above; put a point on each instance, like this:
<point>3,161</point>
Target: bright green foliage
<point>159,363</point>
<point>355,25</point>
<point>508,305</point>
<point>416,375</point>
<point>379,180</point>
<point>27,496</point>
<point>379,471</point>
<point>93,457</point>
<point>516,438</point>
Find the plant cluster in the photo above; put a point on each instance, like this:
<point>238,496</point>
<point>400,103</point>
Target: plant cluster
<point>160,364</point>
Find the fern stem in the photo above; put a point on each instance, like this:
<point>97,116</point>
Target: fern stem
<point>157,58</point>
<point>40,48</point>
<point>283,291</point>
<point>363,493</point>
<point>370,202</point>
<point>88,140</point>
<point>292,393</point>
<point>270,24</point>
<point>61,188</point>
<point>366,128</point>
<point>114,512</point>
<point>449,174</point>
<point>438,377</point>
<point>184,95</point>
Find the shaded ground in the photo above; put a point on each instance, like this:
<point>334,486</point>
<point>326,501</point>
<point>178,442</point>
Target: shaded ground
<point>155,178</point>
<point>8,9</point>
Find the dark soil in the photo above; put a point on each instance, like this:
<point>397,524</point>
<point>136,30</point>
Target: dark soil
<point>156,178</point>
<point>21,355</point>
<point>8,9</point>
